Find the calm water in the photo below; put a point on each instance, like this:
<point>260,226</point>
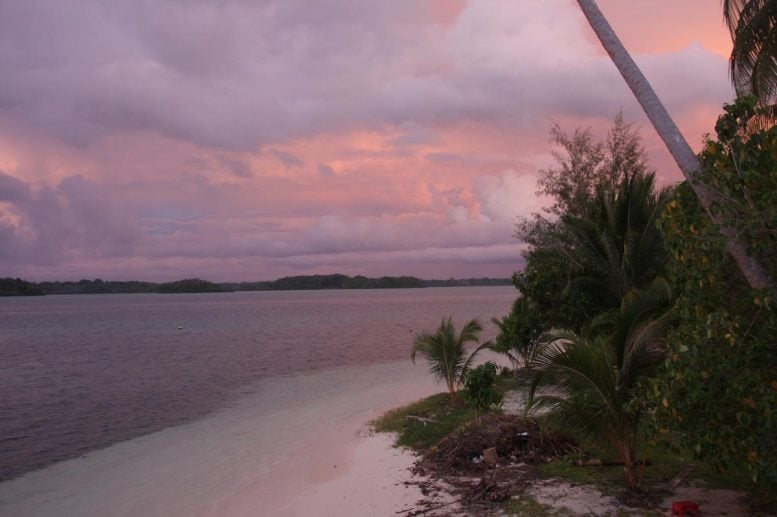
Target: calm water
<point>78,373</point>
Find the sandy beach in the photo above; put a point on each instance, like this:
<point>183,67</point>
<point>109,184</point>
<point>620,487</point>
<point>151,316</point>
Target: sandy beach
<point>369,479</point>
<point>296,445</point>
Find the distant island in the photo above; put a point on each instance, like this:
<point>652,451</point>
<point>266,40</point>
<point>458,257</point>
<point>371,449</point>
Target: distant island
<point>19,287</point>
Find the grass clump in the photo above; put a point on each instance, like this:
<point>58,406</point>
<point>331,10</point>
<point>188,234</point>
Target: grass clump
<point>443,418</point>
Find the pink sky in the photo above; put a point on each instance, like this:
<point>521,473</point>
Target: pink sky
<point>243,140</point>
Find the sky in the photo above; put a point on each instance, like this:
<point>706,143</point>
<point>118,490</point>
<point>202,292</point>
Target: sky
<point>242,140</point>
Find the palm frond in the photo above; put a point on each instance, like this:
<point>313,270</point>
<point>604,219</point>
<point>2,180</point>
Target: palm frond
<point>753,61</point>
<point>587,381</point>
<point>444,350</point>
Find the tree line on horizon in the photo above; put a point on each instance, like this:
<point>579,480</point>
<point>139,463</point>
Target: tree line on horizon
<point>20,287</point>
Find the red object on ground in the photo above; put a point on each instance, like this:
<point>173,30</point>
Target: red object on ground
<point>681,508</point>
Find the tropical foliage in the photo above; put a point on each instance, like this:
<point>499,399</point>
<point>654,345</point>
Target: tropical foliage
<point>479,388</point>
<point>717,391</point>
<point>712,387</point>
<point>618,243</point>
<point>754,271</point>
<point>707,375</point>
<point>753,27</point>
<point>590,379</point>
<point>446,352</point>
<point>593,269</point>
<point>598,239</point>
<point>519,335</point>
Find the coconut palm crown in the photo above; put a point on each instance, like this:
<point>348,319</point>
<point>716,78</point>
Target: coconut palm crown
<point>754,270</point>
<point>753,27</point>
<point>620,246</point>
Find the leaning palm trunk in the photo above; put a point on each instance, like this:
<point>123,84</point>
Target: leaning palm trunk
<point>754,271</point>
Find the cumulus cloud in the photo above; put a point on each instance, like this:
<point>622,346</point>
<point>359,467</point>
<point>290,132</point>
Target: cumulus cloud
<point>251,139</point>
<point>506,197</point>
<point>240,74</point>
<point>73,219</point>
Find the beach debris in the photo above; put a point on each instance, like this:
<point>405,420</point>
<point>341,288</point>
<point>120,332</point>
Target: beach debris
<point>681,508</point>
<point>490,456</point>
<point>422,419</point>
<point>680,477</point>
<point>483,463</point>
<point>514,440</point>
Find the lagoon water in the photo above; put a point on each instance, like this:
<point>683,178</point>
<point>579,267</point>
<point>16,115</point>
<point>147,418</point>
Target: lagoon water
<point>277,371</point>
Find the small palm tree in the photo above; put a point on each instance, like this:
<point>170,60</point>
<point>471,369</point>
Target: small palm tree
<point>589,381</point>
<point>519,335</point>
<point>445,351</point>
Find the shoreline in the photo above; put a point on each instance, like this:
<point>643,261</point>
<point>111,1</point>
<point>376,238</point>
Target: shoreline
<point>260,454</point>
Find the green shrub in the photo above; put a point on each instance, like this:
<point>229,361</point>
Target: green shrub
<point>479,389</point>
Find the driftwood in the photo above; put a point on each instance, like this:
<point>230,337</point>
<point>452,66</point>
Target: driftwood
<point>607,463</point>
<point>421,419</point>
<point>679,478</point>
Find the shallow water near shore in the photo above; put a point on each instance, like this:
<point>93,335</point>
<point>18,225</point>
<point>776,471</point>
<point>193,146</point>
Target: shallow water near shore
<point>260,456</point>
<point>258,396</point>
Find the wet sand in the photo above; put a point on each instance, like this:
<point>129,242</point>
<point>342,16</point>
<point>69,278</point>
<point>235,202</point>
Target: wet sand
<point>289,446</point>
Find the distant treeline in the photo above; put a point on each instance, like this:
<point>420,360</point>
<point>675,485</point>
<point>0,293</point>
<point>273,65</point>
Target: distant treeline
<point>19,287</point>
<point>464,282</point>
<point>337,281</point>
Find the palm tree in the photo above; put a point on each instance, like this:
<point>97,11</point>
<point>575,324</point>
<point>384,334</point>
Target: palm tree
<point>589,380</point>
<point>753,27</point>
<point>519,335</point>
<point>445,351</point>
<point>618,242</point>
<point>754,271</point>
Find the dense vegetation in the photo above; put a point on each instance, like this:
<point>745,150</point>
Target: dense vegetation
<point>96,286</point>
<point>18,287</point>
<point>717,390</point>
<point>190,285</point>
<point>634,319</point>
<point>648,316</point>
<point>588,325</point>
<point>336,281</point>
<point>466,282</point>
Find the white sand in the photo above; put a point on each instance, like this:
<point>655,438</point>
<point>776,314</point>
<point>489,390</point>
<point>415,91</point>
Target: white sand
<point>368,480</point>
<point>292,446</point>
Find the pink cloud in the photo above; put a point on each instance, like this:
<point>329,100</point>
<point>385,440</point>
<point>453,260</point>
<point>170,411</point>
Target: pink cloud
<point>251,140</point>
